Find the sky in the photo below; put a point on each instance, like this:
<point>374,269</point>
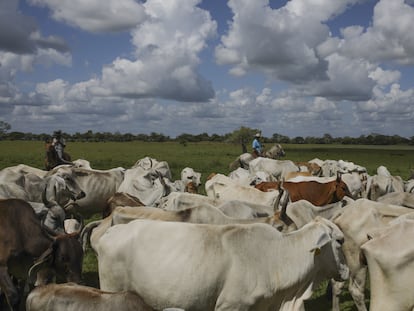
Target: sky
<point>296,68</point>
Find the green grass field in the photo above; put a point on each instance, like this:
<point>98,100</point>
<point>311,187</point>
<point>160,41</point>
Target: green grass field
<point>207,158</point>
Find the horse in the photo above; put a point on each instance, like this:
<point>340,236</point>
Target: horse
<point>52,158</point>
<point>275,152</point>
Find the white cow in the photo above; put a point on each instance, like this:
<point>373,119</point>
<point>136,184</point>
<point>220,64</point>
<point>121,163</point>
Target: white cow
<point>177,201</point>
<point>355,221</point>
<point>18,170</point>
<point>198,215</point>
<point>382,183</point>
<point>148,180</point>
<point>243,209</point>
<point>409,186</point>
<point>276,168</point>
<point>189,175</point>
<point>356,185</point>
<point>148,163</point>
<point>398,198</point>
<point>183,200</point>
<point>99,186</point>
<point>244,178</point>
<point>210,267</point>
<point>302,212</point>
<point>48,195</point>
<point>82,163</point>
<point>390,258</point>
<point>221,187</point>
<point>22,182</point>
<point>355,176</point>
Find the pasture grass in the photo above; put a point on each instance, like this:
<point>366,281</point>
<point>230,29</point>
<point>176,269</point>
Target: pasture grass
<point>206,158</point>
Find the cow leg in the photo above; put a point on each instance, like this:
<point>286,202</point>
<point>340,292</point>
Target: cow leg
<point>8,288</point>
<point>357,289</point>
<point>336,291</point>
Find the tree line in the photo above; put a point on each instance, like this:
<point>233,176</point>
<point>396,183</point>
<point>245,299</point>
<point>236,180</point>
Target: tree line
<point>243,136</point>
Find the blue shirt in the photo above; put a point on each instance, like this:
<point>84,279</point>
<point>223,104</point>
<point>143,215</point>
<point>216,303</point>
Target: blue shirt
<point>257,145</point>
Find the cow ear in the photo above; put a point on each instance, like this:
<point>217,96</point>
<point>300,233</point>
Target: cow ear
<point>322,241</point>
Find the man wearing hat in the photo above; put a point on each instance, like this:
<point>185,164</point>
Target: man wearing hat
<point>58,143</point>
<point>257,146</point>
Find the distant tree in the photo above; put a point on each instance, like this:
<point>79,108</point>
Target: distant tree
<point>311,140</point>
<point>279,138</point>
<point>202,137</point>
<point>188,138</point>
<point>216,137</point>
<point>298,140</point>
<point>243,136</point>
<point>4,127</point>
<point>327,139</point>
<point>16,136</point>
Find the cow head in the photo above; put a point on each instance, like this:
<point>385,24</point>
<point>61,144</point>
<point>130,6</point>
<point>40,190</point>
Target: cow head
<point>62,260</point>
<point>72,187</point>
<point>60,188</point>
<point>341,189</point>
<point>188,175</point>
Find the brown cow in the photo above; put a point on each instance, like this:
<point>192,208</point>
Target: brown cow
<point>266,186</point>
<point>120,199</point>
<point>317,193</point>
<point>23,240</point>
<point>74,297</point>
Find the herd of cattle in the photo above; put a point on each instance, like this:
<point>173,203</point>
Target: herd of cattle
<point>262,237</point>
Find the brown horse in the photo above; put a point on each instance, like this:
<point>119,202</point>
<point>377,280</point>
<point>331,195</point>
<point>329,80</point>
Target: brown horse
<point>52,159</point>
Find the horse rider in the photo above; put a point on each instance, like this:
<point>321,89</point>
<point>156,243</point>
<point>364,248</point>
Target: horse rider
<point>58,142</point>
<point>257,146</point>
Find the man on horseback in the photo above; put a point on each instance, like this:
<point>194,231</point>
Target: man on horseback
<point>257,146</point>
<point>58,142</point>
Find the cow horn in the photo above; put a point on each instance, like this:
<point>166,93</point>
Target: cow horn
<point>167,189</point>
<point>86,232</point>
<point>277,201</point>
<point>44,258</point>
<point>283,215</point>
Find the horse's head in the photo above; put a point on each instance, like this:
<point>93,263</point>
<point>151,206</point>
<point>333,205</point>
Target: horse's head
<point>276,152</point>
<point>280,152</point>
